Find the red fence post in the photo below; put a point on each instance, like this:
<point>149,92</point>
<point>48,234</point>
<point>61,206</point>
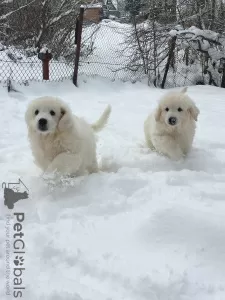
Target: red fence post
<point>78,34</point>
<point>45,57</point>
<point>45,67</point>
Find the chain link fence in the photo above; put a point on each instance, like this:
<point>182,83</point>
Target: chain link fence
<point>157,46</point>
<point>164,46</point>
<point>28,28</point>
<point>22,66</point>
<point>107,56</point>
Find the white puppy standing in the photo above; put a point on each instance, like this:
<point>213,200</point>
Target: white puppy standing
<point>170,129</point>
<point>59,140</point>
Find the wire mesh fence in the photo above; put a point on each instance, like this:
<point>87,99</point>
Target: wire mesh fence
<point>166,45</point>
<point>105,55</point>
<point>28,28</point>
<point>165,54</point>
<point>19,66</point>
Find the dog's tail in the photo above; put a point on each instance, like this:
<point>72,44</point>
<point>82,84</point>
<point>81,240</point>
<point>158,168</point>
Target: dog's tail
<point>101,122</point>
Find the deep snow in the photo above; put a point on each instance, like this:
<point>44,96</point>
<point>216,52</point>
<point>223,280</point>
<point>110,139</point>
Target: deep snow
<point>144,229</point>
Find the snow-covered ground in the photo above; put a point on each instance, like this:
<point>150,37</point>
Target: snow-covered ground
<point>145,228</point>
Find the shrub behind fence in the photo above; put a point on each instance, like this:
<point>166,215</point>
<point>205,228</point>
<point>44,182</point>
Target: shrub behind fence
<point>160,48</point>
<point>167,55</point>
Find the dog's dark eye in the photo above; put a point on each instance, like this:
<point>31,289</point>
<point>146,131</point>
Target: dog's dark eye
<point>52,113</point>
<point>180,109</point>
<point>167,109</point>
<point>36,112</point>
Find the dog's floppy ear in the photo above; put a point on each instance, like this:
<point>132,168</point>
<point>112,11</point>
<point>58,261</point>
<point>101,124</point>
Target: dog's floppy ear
<point>194,112</point>
<point>65,121</point>
<point>158,113</point>
<point>184,90</point>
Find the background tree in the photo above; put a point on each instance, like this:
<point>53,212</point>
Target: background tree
<point>133,7</point>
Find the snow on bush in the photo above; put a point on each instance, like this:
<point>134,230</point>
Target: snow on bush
<point>205,47</point>
<point>45,50</point>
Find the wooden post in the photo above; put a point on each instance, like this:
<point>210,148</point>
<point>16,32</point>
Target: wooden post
<point>170,57</point>
<point>78,35</point>
<point>223,77</point>
<point>76,31</point>
<point>45,57</point>
<point>45,66</point>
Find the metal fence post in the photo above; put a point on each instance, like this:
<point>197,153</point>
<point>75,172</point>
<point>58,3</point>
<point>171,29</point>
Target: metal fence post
<point>78,34</point>
<point>223,75</point>
<point>170,57</point>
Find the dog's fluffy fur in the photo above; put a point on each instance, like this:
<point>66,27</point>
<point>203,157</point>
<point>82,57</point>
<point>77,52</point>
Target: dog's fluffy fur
<point>175,140</point>
<point>63,142</point>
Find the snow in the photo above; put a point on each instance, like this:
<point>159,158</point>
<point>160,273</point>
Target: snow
<point>173,32</point>
<point>200,39</point>
<point>144,228</point>
<point>110,54</point>
<point>207,34</point>
<point>216,55</point>
<point>99,4</point>
<point>114,2</point>
<point>211,44</point>
<point>205,45</point>
<point>94,5</point>
<point>45,50</point>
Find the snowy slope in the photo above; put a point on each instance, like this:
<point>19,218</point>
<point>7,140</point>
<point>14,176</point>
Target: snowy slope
<point>110,54</point>
<point>144,229</point>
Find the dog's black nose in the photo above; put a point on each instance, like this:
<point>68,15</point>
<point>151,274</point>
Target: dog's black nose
<point>172,121</point>
<point>42,124</point>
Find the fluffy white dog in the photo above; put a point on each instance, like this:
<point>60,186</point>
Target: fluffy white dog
<point>170,129</point>
<point>59,140</point>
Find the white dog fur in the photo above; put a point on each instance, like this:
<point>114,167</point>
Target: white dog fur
<point>172,140</point>
<point>63,143</point>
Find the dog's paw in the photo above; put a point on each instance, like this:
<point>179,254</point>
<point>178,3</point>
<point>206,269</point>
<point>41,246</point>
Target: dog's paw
<point>176,155</point>
<point>48,176</point>
<point>51,179</point>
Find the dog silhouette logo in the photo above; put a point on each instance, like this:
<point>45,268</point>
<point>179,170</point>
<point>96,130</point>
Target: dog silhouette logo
<point>13,194</point>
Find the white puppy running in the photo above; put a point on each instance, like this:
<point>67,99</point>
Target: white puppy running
<point>170,129</point>
<point>59,140</point>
